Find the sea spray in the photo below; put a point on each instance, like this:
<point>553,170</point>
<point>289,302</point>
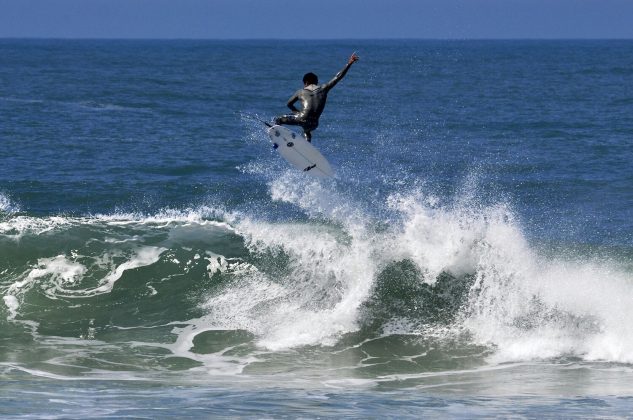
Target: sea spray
<point>7,205</point>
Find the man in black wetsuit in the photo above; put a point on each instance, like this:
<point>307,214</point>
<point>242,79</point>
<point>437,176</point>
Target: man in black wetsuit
<point>312,97</point>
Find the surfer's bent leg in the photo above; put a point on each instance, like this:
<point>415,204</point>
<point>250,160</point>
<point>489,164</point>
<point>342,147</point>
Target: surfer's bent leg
<point>287,120</point>
<point>307,125</point>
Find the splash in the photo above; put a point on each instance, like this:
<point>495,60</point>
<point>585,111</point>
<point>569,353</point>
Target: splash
<point>7,206</point>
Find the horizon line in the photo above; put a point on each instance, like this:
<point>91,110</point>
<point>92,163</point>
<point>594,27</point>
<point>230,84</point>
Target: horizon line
<point>81,38</point>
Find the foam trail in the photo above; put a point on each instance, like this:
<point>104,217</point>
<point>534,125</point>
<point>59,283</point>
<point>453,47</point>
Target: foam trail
<point>16,227</point>
<point>97,256</point>
<point>143,257</point>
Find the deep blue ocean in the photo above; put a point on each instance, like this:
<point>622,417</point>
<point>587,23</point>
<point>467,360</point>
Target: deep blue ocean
<point>472,257</point>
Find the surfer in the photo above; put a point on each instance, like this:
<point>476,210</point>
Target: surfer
<point>312,97</point>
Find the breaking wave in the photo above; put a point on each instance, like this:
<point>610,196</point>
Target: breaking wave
<point>211,290</point>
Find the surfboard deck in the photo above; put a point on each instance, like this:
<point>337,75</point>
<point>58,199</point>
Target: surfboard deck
<point>295,149</point>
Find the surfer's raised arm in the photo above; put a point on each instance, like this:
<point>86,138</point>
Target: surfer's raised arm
<point>312,98</point>
<point>352,59</point>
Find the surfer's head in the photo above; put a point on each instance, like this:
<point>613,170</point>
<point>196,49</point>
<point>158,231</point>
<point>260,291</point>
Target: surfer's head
<point>310,79</point>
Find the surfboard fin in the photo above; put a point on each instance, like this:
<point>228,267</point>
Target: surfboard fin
<point>309,167</point>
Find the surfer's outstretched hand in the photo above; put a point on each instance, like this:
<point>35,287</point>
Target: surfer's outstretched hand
<point>353,58</point>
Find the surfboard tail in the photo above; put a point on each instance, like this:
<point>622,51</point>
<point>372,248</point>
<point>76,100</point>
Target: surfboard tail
<point>298,152</point>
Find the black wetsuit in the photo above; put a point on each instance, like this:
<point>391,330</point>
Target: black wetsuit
<point>313,98</point>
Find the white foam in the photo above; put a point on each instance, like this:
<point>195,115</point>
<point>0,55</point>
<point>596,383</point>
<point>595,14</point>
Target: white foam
<point>216,364</point>
<point>144,256</point>
<point>441,239</point>
<point>18,226</point>
<point>64,276</point>
<point>12,305</point>
<point>166,217</point>
<point>8,206</point>
<point>523,304</point>
<point>530,307</point>
<point>59,267</point>
<point>73,275</point>
<point>329,278</point>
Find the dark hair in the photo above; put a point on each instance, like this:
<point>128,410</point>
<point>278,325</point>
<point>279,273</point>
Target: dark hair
<point>310,79</point>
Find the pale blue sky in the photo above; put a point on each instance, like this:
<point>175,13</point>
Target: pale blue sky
<point>299,19</point>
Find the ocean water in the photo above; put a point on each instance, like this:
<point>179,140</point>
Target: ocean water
<point>473,256</point>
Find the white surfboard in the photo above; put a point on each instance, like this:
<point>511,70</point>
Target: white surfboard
<point>298,152</point>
